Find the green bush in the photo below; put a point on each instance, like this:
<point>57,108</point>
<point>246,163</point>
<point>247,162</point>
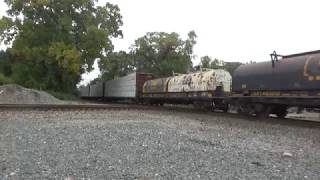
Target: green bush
<point>5,80</point>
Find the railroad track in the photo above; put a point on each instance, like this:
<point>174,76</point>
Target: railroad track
<point>61,107</point>
<point>71,106</point>
<point>274,120</point>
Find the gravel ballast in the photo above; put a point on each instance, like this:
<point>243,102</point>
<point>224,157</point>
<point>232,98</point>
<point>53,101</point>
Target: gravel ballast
<point>133,144</point>
<point>15,94</point>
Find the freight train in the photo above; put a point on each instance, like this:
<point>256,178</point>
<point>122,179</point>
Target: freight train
<point>206,88</point>
<point>257,89</point>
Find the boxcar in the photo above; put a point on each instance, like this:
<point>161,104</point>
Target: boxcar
<point>84,91</point>
<point>127,87</point>
<point>96,90</point>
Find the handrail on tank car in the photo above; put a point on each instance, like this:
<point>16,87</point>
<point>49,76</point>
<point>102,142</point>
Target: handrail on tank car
<point>274,58</point>
<point>302,54</point>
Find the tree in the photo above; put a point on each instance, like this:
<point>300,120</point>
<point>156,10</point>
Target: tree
<point>162,53</point>
<point>217,64</point>
<point>116,64</point>
<point>5,64</point>
<point>54,41</point>
<point>207,62</point>
<point>5,68</point>
<point>232,66</point>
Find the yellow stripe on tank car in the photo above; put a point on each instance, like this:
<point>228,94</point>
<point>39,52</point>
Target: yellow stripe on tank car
<point>279,93</point>
<point>265,93</point>
<point>305,70</point>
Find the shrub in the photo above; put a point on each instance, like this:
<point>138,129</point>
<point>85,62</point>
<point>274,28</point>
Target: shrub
<point>5,80</point>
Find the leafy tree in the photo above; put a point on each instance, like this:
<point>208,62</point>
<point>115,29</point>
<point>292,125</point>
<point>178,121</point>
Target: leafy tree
<point>217,64</point>
<point>232,66</point>
<point>207,62</point>
<point>116,64</point>
<point>162,53</point>
<point>5,63</point>
<point>54,41</point>
<point>4,79</point>
<point>5,68</point>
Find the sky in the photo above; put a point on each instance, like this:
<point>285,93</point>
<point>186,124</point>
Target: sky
<point>230,30</point>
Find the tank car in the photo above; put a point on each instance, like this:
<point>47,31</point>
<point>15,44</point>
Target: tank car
<point>273,86</point>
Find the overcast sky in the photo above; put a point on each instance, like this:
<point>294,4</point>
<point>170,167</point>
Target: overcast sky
<point>231,30</point>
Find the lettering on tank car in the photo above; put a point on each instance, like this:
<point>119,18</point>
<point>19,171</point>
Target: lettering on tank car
<point>312,68</point>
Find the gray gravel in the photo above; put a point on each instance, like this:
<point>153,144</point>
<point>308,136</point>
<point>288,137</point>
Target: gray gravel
<point>153,145</point>
<point>15,94</point>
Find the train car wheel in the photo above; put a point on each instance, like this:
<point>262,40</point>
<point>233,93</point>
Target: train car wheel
<point>281,111</point>
<point>245,109</point>
<point>262,111</point>
<point>282,114</point>
<point>226,108</point>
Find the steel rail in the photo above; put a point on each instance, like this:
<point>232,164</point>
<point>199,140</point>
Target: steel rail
<point>59,107</point>
<point>70,106</point>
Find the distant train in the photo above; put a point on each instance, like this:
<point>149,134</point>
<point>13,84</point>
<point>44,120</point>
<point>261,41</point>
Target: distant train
<point>202,88</point>
<point>256,89</point>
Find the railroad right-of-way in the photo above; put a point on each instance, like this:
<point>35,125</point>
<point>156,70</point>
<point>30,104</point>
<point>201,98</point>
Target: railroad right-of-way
<point>152,144</point>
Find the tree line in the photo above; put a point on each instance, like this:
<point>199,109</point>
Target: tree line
<point>52,42</point>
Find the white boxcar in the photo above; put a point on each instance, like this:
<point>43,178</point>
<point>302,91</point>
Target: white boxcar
<point>124,87</point>
<point>96,90</point>
<point>201,81</point>
<point>84,91</point>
